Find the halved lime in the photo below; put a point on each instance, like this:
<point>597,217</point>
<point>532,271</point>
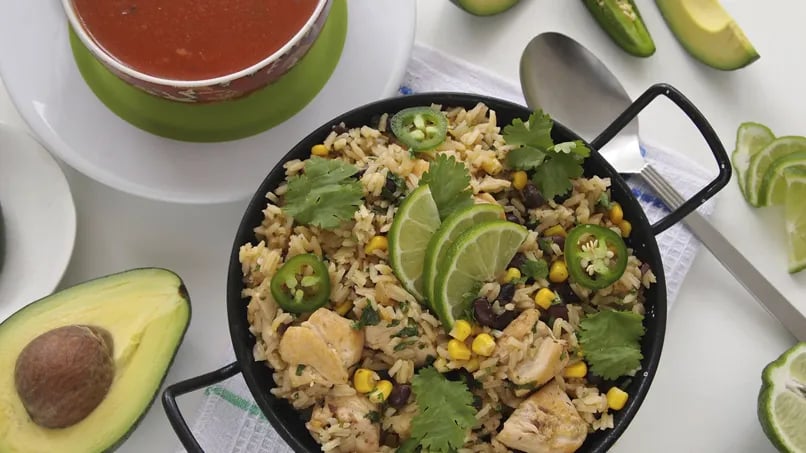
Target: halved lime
<point>760,162</point>
<point>795,217</point>
<point>773,185</point>
<point>782,400</point>
<point>415,222</point>
<point>454,225</point>
<point>479,254</point>
<point>750,139</point>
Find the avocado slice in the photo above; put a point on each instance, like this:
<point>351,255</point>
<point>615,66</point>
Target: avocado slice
<point>142,313</point>
<point>485,7</point>
<point>708,33</point>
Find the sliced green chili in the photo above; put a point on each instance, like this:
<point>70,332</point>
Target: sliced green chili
<point>302,284</point>
<point>420,128</point>
<point>596,256</point>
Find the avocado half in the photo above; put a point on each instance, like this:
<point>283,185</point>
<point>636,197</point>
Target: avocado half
<point>146,311</point>
<point>485,7</point>
<point>708,33</point>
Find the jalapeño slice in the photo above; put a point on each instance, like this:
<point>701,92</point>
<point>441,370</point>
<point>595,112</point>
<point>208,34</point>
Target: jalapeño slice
<point>302,284</point>
<point>596,256</point>
<point>420,128</point>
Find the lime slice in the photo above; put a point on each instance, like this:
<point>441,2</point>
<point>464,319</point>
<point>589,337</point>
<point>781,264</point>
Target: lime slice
<point>760,162</point>
<point>795,216</point>
<point>750,139</point>
<point>415,222</point>
<point>773,184</point>
<point>454,225</point>
<point>782,400</point>
<point>478,255</point>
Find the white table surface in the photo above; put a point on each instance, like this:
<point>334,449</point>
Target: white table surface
<point>718,337</point>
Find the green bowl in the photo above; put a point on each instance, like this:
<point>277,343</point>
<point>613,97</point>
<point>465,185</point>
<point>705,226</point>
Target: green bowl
<point>227,120</point>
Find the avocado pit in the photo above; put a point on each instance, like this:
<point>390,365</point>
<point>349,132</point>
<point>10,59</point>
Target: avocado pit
<point>62,375</point>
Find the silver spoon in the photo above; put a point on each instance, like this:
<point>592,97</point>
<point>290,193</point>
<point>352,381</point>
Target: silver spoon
<point>566,80</point>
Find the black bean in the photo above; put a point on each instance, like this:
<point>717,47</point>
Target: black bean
<point>477,402</point>
<point>339,128</point>
<point>554,312</point>
<point>483,311</point>
<point>559,240</point>
<point>399,396</point>
<point>391,439</point>
<point>506,293</point>
<point>644,268</point>
<point>504,319</point>
<point>532,198</point>
<point>517,261</point>
<point>560,199</point>
<point>565,292</point>
<point>513,218</point>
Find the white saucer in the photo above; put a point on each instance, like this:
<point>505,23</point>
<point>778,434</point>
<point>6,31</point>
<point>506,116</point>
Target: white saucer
<point>38,70</point>
<point>39,220</point>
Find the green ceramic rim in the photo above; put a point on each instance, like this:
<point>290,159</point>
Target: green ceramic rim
<point>230,120</point>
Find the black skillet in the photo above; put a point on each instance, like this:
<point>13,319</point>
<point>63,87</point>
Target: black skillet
<point>288,422</point>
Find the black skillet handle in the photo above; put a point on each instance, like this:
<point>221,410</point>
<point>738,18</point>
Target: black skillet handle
<point>180,388</point>
<point>696,117</point>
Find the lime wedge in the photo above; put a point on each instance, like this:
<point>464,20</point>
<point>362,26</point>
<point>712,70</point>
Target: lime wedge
<point>795,216</point>
<point>478,255</point>
<point>415,222</point>
<point>782,400</point>
<point>773,185</point>
<point>750,139</point>
<point>762,160</point>
<point>454,225</point>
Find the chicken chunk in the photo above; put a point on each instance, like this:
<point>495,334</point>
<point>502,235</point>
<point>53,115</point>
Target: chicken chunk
<point>546,357</point>
<point>325,345</point>
<point>546,422</point>
<point>523,324</point>
<point>380,338</point>
<point>351,411</point>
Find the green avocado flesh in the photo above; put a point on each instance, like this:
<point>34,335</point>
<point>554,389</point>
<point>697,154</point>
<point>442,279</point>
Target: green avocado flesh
<point>708,33</point>
<point>146,311</point>
<point>485,7</point>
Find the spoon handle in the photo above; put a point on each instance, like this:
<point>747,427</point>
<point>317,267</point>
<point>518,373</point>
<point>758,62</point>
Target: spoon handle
<point>744,271</point>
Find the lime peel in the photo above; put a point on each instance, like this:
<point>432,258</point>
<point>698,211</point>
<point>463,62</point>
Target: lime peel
<point>782,400</point>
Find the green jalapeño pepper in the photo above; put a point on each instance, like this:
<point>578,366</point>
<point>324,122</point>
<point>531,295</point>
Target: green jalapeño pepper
<point>621,20</point>
<point>302,284</point>
<point>596,256</point>
<point>420,128</point>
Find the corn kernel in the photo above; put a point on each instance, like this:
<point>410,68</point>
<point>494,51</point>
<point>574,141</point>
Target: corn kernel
<point>319,150</point>
<point>492,166</point>
<point>615,213</point>
<point>513,273</point>
<point>626,228</point>
<point>556,230</point>
<point>616,398</point>
<point>344,307</point>
<point>376,243</point>
<point>472,365</point>
<point>544,298</point>
<point>458,350</point>
<point>483,344</point>
<point>381,392</point>
<point>364,380</point>
<point>441,365</point>
<point>558,272</point>
<point>461,330</point>
<point>519,180</point>
<point>577,370</point>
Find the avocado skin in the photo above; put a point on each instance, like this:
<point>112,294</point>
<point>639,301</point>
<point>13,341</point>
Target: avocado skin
<point>485,7</point>
<point>184,295</point>
<point>631,35</point>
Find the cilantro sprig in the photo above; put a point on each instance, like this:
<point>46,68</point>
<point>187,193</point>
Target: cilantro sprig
<point>611,342</point>
<point>553,165</point>
<point>445,415</point>
<point>324,195</point>
<point>449,181</point>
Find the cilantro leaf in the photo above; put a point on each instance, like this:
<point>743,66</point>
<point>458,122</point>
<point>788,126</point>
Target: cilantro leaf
<point>537,133</point>
<point>611,342</point>
<point>324,195</point>
<point>446,412</point>
<point>369,317</point>
<point>535,269</point>
<point>577,148</point>
<point>449,181</point>
<point>525,158</point>
<point>554,176</point>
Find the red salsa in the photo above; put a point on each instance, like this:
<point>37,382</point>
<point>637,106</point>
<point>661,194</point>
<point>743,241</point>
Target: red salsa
<point>192,39</point>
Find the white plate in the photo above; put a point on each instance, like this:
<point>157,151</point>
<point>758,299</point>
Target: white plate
<point>41,77</point>
<point>39,220</point>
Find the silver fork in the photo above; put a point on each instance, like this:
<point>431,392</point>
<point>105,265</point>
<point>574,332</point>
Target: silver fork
<point>744,271</point>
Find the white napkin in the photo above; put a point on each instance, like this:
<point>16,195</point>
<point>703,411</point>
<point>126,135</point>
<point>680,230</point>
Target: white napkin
<point>229,420</point>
